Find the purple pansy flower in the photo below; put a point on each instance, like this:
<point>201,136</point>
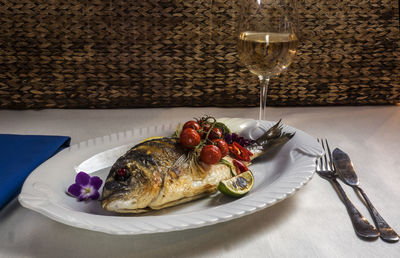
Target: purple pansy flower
<point>85,187</point>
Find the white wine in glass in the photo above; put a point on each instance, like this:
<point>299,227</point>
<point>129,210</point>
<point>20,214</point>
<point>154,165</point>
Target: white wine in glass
<point>265,53</point>
<point>267,40</point>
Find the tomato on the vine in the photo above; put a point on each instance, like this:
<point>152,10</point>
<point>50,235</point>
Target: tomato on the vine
<point>215,133</point>
<point>223,146</point>
<point>189,138</point>
<point>210,154</point>
<point>205,127</point>
<point>202,121</point>
<point>192,124</point>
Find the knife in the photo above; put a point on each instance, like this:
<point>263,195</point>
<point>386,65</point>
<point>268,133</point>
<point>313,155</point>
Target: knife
<point>345,168</point>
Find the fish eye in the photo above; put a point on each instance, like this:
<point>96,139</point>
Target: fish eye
<point>122,174</point>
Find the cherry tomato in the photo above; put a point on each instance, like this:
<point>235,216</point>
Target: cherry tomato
<point>210,154</point>
<point>191,124</point>
<point>204,129</point>
<point>202,121</point>
<point>215,133</point>
<point>189,138</point>
<point>223,146</point>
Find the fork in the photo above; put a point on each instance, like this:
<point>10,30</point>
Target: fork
<point>327,171</point>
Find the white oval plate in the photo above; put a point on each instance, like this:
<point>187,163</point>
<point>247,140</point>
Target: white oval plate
<point>278,175</point>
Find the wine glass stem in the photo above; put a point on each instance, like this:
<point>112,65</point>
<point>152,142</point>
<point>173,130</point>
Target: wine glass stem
<point>264,82</point>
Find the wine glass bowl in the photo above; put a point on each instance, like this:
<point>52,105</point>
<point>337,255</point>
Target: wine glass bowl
<point>267,41</point>
<point>266,53</point>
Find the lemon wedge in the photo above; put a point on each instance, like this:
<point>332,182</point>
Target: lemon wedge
<point>152,138</point>
<point>237,186</point>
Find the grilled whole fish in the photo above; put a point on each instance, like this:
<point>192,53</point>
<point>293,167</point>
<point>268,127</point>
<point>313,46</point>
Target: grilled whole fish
<point>160,173</point>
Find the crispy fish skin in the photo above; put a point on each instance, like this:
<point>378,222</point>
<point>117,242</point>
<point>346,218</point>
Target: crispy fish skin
<point>159,177</point>
<point>155,181</point>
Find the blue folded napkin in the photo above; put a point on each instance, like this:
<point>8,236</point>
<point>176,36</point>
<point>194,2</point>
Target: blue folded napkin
<point>20,155</point>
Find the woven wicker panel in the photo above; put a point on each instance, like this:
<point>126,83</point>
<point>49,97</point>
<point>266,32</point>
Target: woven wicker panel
<point>154,53</point>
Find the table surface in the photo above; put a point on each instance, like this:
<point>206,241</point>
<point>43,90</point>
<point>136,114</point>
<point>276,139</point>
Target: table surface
<point>311,223</point>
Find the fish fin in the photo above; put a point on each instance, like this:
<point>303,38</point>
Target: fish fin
<point>189,161</point>
<point>179,163</point>
<point>198,170</point>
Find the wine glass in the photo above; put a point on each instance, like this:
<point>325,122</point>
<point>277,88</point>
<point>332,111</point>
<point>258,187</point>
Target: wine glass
<point>267,39</point>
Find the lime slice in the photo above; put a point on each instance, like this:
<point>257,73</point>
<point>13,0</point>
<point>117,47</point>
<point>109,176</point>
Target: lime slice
<point>237,186</point>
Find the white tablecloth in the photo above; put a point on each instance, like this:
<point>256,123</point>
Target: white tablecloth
<point>312,223</point>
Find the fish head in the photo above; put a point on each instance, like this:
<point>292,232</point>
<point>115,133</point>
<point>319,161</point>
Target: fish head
<point>127,189</point>
<point>136,178</point>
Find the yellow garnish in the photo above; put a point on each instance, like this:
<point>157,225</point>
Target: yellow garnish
<point>152,138</point>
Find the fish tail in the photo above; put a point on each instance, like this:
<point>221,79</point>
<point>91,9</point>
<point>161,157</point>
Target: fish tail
<point>272,138</point>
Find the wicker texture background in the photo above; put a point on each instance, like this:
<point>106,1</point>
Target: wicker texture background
<point>154,53</point>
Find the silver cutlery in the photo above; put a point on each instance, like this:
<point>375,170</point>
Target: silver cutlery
<point>345,169</point>
<point>326,170</point>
